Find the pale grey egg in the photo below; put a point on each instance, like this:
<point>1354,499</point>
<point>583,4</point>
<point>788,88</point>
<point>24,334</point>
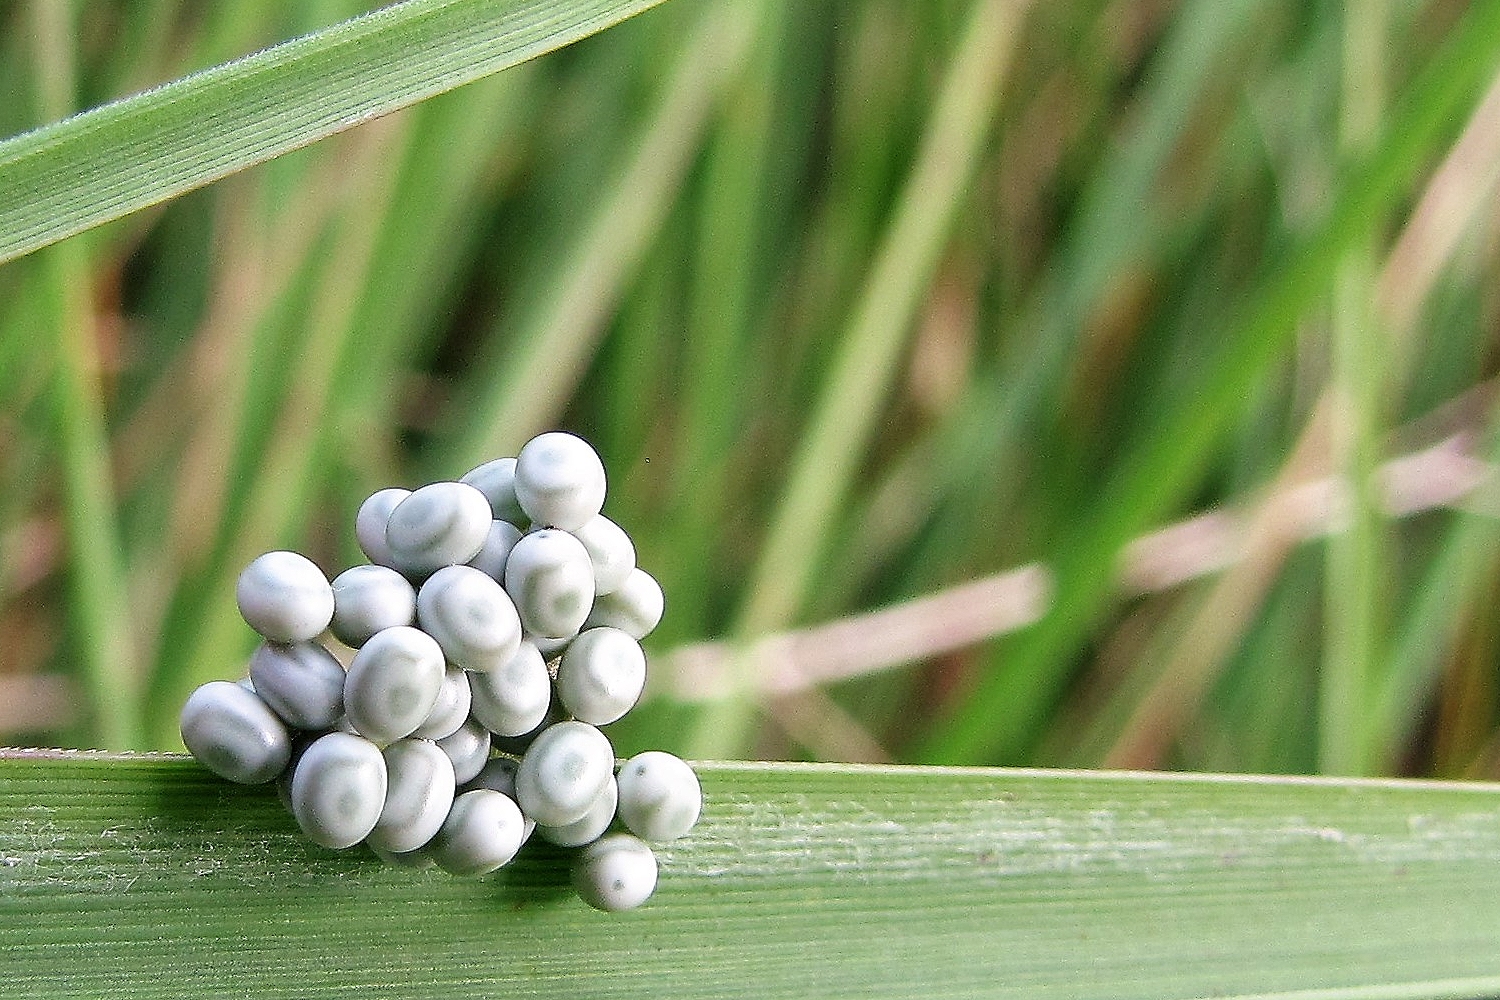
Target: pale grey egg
<point>468,748</point>
<point>419,792</point>
<point>588,829</point>
<point>610,550</point>
<point>635,608</point>
<point>451,709</point>
<point>471,617</point>
<point>369,524</point>
<point>497,481</point>
<point>601,676</point>
<point>513,700</point>
<point>338,790</point>
<point>367,599</point>
<point>563,773</point>
<point>499,775</point>
<point>550,578</point>
<point>660,797</point>
<point>285,597</point>
<point>302,682</point>
<point>615,872</point>
<point>483,831</point>
<point>300,743</point>
<point>393,683</point>
<point>518,745</point>
<point>559,480</point>
<point>495,553</point>
<point>441,524</point>
<point>234,734</point>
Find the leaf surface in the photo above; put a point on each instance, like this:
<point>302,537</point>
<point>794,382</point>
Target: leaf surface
<point>113,160</point>
<point>145,876</point>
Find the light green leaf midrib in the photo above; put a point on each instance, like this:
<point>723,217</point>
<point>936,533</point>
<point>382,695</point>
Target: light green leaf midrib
<point>102,164</point>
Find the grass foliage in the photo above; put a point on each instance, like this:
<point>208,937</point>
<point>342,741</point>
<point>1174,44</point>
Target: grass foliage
<point>802,880</point>
<point>1174,320</point>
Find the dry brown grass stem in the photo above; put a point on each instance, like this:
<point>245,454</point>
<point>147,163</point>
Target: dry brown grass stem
<point>951,619</point>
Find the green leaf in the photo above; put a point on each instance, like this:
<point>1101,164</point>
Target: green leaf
<point>144,876</point>
<point>105,163</point>
<point>1000,719</point>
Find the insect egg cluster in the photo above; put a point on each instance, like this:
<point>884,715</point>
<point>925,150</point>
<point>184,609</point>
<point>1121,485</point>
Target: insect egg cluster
<point>496,627</point>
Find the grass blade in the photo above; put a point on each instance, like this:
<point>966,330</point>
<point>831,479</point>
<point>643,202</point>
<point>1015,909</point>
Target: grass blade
<point>105,163</point>
<point>823,880</point>
<point>96,572</point>
<point>1357,558</point>
<point>999,721</point>
<point>518,393</point>
<point>859,380</point>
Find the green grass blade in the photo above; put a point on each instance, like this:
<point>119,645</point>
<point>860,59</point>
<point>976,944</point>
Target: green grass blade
<point>522,390</point>
<point>1000,720</point>
<point>1357,558</point>
<point>858,382</point>
<point>283,479</point>
<point>1107,236</point>
<point>108,162</point>
<point>736,209</point>
<point>98,602</point>
<point>96,573</point>
<point>800,881</point>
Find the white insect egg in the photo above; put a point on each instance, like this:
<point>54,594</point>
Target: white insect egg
<point>441,524</point>
<point>300,743</point>
<point>601,676</point>
<point>563,773</point>
<point>636,607</point>
<point>285,597</point>
<point>482,832</point>
<point>419,792</point>
<point>367,599</point>
<point>559,480</point>
<point>467,748</point>
<point>393,683</point>
<point>590,827</point>
<point>495,552</point>
<point>497,481</point>
<point>611,551</point>
<point>452,707</point>
<point>615,872</point>
<point>660,797</point>
<point>302,682</point>
<point>551,579</point>
<point>470,616</point>
<point>499,775</point>
<point>234,734</point>
<point>370,523</point>
<point>338,790</point>
<point>513,700</point>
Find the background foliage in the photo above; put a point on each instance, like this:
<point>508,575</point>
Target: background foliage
<point>1159,334</point>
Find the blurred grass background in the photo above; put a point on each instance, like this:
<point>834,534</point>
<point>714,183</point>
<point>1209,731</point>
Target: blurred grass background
<point>1100,383</point>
